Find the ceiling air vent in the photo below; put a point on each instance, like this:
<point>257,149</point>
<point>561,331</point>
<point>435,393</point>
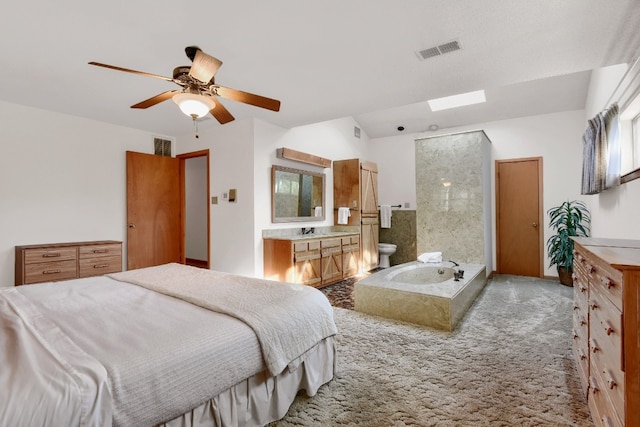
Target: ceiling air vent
<point>448,47</point>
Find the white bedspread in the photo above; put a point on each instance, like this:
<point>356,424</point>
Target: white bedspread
<point>45,379</point>
<point>97,351</point>
<point>288,318</point>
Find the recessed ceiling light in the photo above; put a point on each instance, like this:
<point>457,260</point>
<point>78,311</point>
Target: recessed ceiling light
<point>455,101</point>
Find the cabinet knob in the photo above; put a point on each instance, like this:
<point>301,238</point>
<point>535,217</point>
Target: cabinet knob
<point>132,225</point>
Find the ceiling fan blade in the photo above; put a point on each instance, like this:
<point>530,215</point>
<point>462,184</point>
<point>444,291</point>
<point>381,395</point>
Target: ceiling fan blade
<point>220,112</point>
<point>204,66</point>
<point>142,73</point>
<point>248,98</point>
<point>156,99</point>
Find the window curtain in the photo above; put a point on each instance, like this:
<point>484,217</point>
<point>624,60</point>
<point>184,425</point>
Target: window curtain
<point>601,152</point>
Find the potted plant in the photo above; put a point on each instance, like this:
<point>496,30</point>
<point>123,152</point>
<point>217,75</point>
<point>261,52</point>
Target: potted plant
<point>568,220</point>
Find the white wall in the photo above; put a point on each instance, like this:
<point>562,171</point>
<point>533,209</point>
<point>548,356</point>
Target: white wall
<point>196,199</point>
<point>333,139</point>
<point>557,138</point>
<point>231,166</point>
<point>62,179</point>
<point>614,212</point>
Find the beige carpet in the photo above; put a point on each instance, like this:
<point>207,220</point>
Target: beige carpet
<point>508,363</point>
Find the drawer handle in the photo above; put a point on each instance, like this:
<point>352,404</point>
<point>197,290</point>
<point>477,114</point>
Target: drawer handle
<point>100,251</point>
<point>50,254</point>
<point>609,283</point>
<point>607,327</point>
<point>52,271</point>
<point>611,383</point>
<point>101,266</point>
<point>594,305</point>
<point>594,346</point>
<point>582,355</point>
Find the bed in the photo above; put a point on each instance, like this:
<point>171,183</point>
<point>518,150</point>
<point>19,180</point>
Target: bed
<point>169,345</point>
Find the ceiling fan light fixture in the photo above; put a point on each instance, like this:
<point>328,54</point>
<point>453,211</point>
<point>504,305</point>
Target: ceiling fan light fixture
<point>194,105</point>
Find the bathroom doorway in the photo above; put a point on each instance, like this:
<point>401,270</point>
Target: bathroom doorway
<point>519,217</point>
<point>195,177</point>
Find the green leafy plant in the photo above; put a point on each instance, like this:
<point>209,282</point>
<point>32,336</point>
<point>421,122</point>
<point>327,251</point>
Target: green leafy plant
<point>569,219</point>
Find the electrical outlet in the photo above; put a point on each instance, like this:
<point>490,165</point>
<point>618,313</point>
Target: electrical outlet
<point>225,196</point>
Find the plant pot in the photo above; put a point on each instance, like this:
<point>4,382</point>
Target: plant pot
<point>566,276</point>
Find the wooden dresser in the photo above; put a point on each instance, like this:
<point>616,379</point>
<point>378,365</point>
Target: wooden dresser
<point>62,261</point>
<point>315,261</point>
<point>606,328</point>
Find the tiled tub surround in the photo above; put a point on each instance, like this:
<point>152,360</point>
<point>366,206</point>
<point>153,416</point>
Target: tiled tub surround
<point>453,196</point>
<point>402,234</point>
<point>415,292</point>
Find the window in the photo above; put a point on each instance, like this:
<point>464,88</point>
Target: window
<point>630,139</point>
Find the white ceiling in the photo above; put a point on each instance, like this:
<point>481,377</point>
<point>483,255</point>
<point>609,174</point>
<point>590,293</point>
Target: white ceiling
<point>323,60</point>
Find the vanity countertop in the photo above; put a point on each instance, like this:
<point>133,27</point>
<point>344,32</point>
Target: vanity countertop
<point>324,235</point>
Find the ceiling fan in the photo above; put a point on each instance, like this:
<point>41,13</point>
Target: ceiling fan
<point>199,92</point>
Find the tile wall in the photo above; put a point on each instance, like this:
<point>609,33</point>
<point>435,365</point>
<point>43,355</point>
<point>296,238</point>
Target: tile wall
<point>452,187</point>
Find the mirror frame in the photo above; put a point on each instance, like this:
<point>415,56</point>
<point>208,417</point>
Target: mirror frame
<point>274,169</point>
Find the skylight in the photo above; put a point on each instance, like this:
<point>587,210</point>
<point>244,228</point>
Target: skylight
<point>455,101</point>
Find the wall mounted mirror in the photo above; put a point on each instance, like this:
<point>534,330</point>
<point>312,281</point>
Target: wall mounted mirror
<point>296,195</point>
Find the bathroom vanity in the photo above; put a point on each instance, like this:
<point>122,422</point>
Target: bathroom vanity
<point>315,260</point>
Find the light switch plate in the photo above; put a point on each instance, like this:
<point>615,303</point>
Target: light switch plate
<point>214,200</point>
<point>232,195</point>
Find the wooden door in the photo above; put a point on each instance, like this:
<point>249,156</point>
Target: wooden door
<point>519,217</point>
<point>369,228</point>
<point>369,243</point>
<point>369,188</point>
<point>331,250</point>
<point>154,206</point>
<point>346,189</point>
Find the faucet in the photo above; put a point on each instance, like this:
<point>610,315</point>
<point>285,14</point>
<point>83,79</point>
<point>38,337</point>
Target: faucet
<point>455,264</point>
<point>309,230</point>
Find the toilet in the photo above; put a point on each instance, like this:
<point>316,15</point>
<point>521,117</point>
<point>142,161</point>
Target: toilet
<point>384,251</point>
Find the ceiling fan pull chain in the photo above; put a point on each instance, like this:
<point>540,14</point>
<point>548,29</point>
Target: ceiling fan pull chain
<point>195,125</point>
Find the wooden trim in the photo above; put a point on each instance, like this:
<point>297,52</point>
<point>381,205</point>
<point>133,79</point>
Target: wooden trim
<point>299,156</point>
<point>635,174</point>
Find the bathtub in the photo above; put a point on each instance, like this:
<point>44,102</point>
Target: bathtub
<point>421,293</point>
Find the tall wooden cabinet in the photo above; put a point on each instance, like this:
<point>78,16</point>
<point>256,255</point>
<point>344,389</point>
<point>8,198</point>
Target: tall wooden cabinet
<point>606,328</point>
<point>355,185</point>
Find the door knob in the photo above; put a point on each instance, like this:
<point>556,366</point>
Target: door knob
<point>132,225</point>
<point>534,225</point>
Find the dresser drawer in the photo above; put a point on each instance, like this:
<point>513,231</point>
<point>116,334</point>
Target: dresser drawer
<point>40,255</point>
<point>106,250</point>
<point>50,271</point>
<point>100,265</point>
<point>602,410</point>
<point>582,365</point>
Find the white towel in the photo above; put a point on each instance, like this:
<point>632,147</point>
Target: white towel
<point>343,215</point>
<point>385,216</point>
<point>430,257</point>
<point>318,211</point>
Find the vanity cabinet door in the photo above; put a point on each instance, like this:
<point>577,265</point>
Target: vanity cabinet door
<point>350,256</point>
<point>331,260</point>
<point>306,263</point>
